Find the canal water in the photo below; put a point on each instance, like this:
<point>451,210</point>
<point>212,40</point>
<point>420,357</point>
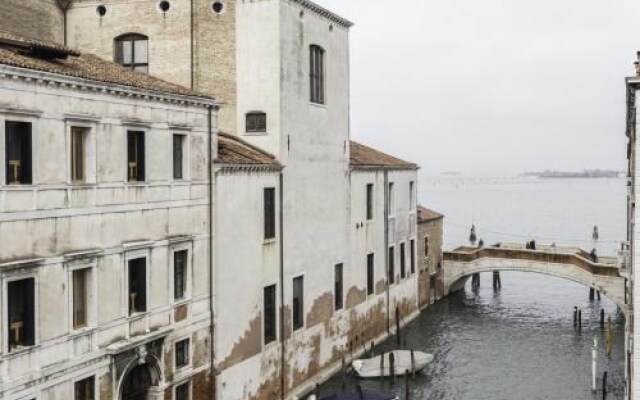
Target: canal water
<point>519,342</point>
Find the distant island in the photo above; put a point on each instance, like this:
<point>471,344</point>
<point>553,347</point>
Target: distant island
<point>451,173</point>
<point>589,173</point>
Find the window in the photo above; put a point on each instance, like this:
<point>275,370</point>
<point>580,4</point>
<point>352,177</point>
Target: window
<point>78,154</point>
<point>80,299</point>
<point>135,156</point>
<point>338,296</point>
<point>137,285</point>
<point>269,314</point>
<point>413,256</point>
<point>178,156</point>
<point>21,313</point>
<point>426,246</point>
<point>256,122</point>
<point>411,195</point>
<point>316,74</point>
<point>403,270</point>
<point>18,152</point>
<point>269,213</point>
<point>392,267</point>
<point>180,260</point>
<point>84,389</point>
<point>298,302</point>
<point>370,273</point>
<point>369,201</point>
<point>182,353</point>
<point>391,199</point>
<point>183,391</point>
<point>132,52</point>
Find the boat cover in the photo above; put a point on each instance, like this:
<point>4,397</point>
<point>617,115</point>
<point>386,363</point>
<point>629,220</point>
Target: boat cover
<point>368,395</point>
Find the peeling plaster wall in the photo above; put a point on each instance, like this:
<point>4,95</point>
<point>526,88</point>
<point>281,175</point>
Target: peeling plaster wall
<point>53,220</point>
<point>428,262</point>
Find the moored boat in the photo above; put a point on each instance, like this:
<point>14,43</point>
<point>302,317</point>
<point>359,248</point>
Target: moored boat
<point>362,394</point>
<point>380,366</point>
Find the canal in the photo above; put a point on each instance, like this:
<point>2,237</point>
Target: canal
<point>518,343</point>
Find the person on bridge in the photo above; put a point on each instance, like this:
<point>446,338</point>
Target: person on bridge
<point>593,256</point>
<point>533,245</point>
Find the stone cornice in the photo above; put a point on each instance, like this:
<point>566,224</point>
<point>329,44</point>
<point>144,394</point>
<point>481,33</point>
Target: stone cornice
<point>310,5</point>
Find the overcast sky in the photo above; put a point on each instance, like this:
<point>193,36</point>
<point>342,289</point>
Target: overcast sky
<point>492,85</point>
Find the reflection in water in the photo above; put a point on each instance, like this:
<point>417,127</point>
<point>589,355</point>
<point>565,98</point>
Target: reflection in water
<point>519,343</point>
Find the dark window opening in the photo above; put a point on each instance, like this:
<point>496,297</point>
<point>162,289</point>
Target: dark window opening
<point>78,139</point>
<point>256,122</point>
<point>426,246</point>
<point>370,201</point>
<point>132,52</point>
<point>338,283</point>
<point>80,297</point>
<point>183,391</point>
<point>180,259</point>
<point>316,74</point>
<point>391,195</point>
<point>178,156</point>
<point>182,353</point>
<point>403,270</point>
<point>298,303</point>
<point>413,256</point>
<point>269,213</point>
<point>269,314</point>
<point>217,7</point>
<point>18,152</point>
<point>85,389</point>
<point>392,267</point>
<point>411,195</point>
<point>370,274</point>
<point>137,285</point>
<point>135,156</point>
<point>21,313</point>
<point>164,6</point>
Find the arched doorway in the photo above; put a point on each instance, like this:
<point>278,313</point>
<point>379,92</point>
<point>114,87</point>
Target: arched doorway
<point>137,383</point>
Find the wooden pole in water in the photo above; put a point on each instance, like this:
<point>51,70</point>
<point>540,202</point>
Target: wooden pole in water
<point>591,294</point>
<point>344,377</point>
<point>604,385</point>
<point>579,318</point>
<point>316,392</point>
<point>398,325</point>
<point>575,316</point>
<point>602,318</point>
<point>598,292</point>
<point>413,364</point>
<point>371,353</point>
<point>392,367</point>
<point>382,366</point>
<point>360,392</point>
<point>406,385</point>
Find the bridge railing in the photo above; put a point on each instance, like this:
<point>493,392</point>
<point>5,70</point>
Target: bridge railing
<point>606,266</point>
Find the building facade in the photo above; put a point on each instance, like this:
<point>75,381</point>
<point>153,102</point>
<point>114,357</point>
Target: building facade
<point>105,258</point>
<point>430,233</point>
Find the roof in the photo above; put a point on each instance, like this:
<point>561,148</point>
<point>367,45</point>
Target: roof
<point>310,5</point>
<point>426,215</point>
<point>366,157</point>
<point>235,151</point>
<point>52,58</point>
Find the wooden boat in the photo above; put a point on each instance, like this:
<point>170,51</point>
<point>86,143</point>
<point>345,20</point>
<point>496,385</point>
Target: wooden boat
<point>360,394</point>
<point>375,368</point>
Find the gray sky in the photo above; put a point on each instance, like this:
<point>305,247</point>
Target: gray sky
<point>492,85</point>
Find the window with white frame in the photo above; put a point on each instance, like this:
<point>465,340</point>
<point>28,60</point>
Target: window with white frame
<point>316,74</point>
<point>81,298</point>
<point>78,145</point>
<point>182,350</point>
<point>179,156</point>
<point>137,285</point>
<point>180,270</point>
<point>18,153</point>
<point>183,391</point>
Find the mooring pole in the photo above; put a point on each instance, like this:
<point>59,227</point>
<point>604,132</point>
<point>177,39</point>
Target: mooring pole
<point>604,385</point>
<point>602,318</point>
<point>382,366</point>
<point>575,316</point>
<point>413,364</point>
<point>398,325</point>
<point>591,294</point>
<point>392,367</point>
<point>406,385</point>
<point>598,292</point>
<point>579,318</point>
<point>360,392</point>
<point>594,364</point>
<point>344,377</point>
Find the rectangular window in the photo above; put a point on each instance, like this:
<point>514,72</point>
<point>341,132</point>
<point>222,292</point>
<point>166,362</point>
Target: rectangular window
<point>411,195</point>
<point>413,256</point>
<point>426,246</point>
<point>269,213</point>
<point>392,267</point>
<point>84,389</point>
<point>370,273</point>
<point>337,286</point>
<point>256,122</point>
<point>135,156</point>
<point>78,158</point>
<point>183,391</point>
<point>132,52</point>
<point>180,259</point>
<point>369,201</point>
<point>403,270</point>
<point>21,313</point>
<point>316,74</point>
<point>178,156</point>
<point>392,203</point>
<point>269,314</point>
<point>81,297</point>
<point>298,302</point>
<point>18,152</point>
<point>137,285</point>
<point>182,353</point>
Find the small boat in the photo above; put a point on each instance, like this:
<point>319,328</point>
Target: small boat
<point>361,394</point>
<point>376,368</point>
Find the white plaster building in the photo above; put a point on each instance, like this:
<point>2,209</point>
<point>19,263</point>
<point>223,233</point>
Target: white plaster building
<point>105,229</point>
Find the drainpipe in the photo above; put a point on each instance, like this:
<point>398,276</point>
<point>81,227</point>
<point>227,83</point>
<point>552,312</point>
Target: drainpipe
<point>386,245</point>
<point>192,45</point>
<point>282,327</point>
<point>211,203</point>
<point>64,6</point>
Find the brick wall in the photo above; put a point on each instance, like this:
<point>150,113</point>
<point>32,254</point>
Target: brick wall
<point>37,19</point>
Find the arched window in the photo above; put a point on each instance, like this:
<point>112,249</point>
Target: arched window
<point>256,122</point>
<point>316,74</point>
<point>131,51</point>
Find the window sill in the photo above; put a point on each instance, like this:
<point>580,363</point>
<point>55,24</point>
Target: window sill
<point>21,350</point>
<point>138,315</point>
<point>265,133</point>
<point>271,344</point>
<point>75,332</point>
<point>319,105</point>
<point>181,302</point>
<point>269,241</point>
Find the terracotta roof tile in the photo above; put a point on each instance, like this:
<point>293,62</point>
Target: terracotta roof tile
<point>425,214</point>
<point>234,151</point>
<point>71,63</point>
<point>365,157</point>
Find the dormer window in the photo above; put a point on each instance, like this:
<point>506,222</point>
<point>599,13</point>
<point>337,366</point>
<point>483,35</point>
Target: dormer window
<point>316,74</point>
<point>256,122</point>
<point>132,52</point>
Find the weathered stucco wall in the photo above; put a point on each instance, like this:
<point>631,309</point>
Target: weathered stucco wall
<point>430,280</point>
<point>36,19</point>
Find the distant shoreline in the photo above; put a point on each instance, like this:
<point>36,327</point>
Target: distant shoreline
<point>587,174</point>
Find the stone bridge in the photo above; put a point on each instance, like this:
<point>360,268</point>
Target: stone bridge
<point>569,263</point>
